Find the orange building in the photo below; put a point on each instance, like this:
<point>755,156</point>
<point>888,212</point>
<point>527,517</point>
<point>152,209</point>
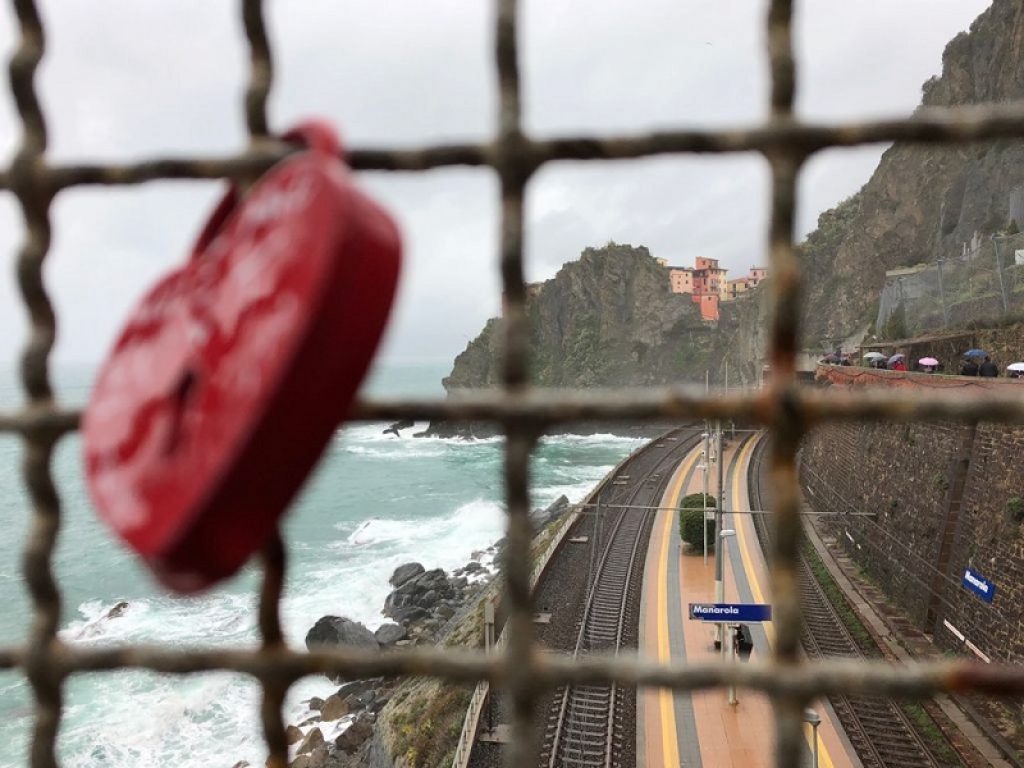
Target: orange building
<point>704,282</point>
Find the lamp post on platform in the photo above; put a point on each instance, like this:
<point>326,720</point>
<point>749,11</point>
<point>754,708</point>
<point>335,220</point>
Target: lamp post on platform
<point>704,459</point>
<point>811,716</point>
<point>730,654</point>
<point>719,584</point>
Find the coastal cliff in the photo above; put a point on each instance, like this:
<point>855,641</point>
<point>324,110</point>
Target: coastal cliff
<point>922,202</point>
<point>610,319</point>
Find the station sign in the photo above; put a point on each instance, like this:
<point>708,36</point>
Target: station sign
<point>978,584</point>
<point>731,612</point>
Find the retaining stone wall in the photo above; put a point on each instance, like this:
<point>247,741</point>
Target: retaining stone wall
<point>926,484</point>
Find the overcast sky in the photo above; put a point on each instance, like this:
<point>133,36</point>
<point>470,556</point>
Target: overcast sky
<point>124,79</point>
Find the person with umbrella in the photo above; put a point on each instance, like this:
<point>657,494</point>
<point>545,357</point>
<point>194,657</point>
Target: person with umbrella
<point>928,364</point>
<point>873,359</point>
<point>988,368</point>
<point>1015,370</point>
<point>969,367</point>
<point>897,363</point>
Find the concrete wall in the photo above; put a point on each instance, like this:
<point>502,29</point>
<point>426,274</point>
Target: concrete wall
<point>940,494</point>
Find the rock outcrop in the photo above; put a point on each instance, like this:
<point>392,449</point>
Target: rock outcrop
<point>922,202</point>
<point>611,319</point>
<point>339,630</point>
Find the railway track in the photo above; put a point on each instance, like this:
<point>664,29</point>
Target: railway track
<point>585,724</point>
<point>877,727</point>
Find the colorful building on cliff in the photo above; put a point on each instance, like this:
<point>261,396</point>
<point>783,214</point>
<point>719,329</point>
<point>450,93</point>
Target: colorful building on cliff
<point>706,283</point>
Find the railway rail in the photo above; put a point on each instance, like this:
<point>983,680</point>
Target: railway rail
<point>877,727</point>
<point>586,725</point>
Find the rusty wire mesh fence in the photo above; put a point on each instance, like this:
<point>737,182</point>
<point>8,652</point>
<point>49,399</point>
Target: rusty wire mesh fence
<point>785,409</point>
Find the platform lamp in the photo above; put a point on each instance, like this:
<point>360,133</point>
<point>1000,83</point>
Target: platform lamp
<point>811,716</point>
<point>725,534</point>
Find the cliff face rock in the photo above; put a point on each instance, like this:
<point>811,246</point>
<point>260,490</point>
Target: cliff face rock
<point>922,202</point>
<point>610,319</point>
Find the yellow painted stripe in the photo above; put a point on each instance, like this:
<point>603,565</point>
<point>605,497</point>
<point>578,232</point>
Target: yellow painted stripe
<point>670,739</point>
<point>745,527</point>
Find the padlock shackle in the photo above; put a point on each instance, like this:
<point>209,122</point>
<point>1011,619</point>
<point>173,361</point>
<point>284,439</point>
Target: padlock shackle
<point>317,135</point>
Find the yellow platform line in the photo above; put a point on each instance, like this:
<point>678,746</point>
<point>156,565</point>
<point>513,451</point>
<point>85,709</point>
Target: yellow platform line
<point>670,739</point>
<point>742,522</point>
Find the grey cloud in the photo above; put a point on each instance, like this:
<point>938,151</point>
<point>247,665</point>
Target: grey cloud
<point>123,79</point>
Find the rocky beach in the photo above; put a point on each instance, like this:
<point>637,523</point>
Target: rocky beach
<point>432,607</point>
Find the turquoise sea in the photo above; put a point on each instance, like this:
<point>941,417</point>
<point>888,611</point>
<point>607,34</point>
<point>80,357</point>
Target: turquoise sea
<point>374,502</point>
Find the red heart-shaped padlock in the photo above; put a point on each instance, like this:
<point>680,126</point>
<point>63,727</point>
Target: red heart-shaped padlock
<point>233,372</point>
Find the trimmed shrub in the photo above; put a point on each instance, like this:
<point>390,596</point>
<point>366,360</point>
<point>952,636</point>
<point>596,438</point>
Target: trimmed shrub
<point>691,521</point>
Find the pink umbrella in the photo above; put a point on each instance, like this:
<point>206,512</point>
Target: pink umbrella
<point>928,361</point>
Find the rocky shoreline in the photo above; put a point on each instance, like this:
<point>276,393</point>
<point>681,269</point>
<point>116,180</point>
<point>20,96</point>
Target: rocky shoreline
<point>424,607</point>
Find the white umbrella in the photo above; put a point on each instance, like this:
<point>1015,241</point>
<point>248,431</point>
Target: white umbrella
<point>874,356</point>
<point>1015,367</point>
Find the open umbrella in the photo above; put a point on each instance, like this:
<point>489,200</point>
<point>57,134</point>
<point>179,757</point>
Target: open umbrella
<point>874,356</point>
<point>927,361</point>
<point>897,356</point>
<point>830,358</point>
<point>1015,367</point>
<point>975,353</point>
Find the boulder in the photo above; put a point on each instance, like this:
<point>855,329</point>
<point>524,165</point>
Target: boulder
<point>445,611</point>
<point>558,507</point>
<point>357,687</point>
<point>433,579</point>
<point>354,736</point>
<point>408,615</point>
<point>405,572</point>
<point>313,740</point>
<point>360,700</point>
<point>335,708</point>
<point>396,600</point>
<point>389,634</point>
<point>292,734</point>
<point>333,631</point>
<point>317,758</point>
<point>117,611</point>
<point>395,429</point>
<point>315,703</point>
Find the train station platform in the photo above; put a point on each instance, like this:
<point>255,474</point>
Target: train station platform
<point>701,729</point>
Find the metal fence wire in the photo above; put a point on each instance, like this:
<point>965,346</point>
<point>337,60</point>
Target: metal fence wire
<point>785,409</point>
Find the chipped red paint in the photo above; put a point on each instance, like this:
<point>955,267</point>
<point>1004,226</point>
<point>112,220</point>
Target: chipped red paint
<point>233,372</point>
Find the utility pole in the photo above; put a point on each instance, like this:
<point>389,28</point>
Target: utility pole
<point>704,459</point>
<point>719,583</point>
<point>942,294</point>
<point>999,270</point>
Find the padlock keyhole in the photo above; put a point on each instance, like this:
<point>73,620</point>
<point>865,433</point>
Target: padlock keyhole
<point>179,401</point>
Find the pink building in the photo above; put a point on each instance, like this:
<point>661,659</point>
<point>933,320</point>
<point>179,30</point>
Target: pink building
<point>681,279</point>
<point>704,282</point>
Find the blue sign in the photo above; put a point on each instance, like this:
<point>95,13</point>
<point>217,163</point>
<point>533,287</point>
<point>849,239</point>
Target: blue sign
<point>979,585</point>
<point>731,612</point>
